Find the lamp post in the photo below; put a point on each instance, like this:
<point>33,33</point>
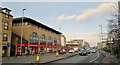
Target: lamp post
<point>22,31</point>
<point>59,39</point>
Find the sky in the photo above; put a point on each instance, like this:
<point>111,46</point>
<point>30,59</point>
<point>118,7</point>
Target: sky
<point>79,20</point>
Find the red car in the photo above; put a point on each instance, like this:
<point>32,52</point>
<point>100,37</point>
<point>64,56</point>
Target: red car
<point>62,52</point>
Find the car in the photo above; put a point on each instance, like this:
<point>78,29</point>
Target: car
<point>76,49</point>
<point>88,51</point>
<point>71,51</point>
<point>93,51</point>
<point>62,51</point>
<point>83,52</point>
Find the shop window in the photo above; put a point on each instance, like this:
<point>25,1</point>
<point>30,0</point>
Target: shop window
<point>5,37</point>
<point>6,26</point>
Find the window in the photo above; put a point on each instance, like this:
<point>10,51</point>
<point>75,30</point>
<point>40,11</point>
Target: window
<point>50,39</point>
<point>6,26</point>
<point>43,39</point>
<point>34,38</point>
<point>5,37</point>
<point>6,16</point>
<point>26,23</point>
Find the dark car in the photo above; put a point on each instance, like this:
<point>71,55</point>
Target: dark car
<point>83,52</point>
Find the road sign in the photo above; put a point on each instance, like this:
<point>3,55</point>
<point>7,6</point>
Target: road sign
<point>8,44</point>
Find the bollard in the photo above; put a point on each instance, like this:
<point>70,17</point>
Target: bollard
<point>38,58</point>
<point>57,54</point>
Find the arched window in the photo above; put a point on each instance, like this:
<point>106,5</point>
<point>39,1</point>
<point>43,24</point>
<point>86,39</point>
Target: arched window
<point>34,38</point>
<point>43,39</point>
<point>49,39</point>
<point>54,42</point>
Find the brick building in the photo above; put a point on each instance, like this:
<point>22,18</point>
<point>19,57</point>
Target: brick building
<point>5,31</point>
<point>36,37</point>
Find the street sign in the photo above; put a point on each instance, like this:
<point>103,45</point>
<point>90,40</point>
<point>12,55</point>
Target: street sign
<point>8,44</point>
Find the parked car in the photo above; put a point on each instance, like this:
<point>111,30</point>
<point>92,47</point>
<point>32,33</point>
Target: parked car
<point>62,51</point>
<point>83,52</point>
<point>88,51</point>
<point>93,51</point>
<point>76,49</point>
<point>71,51</point>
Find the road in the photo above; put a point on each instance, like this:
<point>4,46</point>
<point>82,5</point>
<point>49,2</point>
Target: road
<point>90,58</point>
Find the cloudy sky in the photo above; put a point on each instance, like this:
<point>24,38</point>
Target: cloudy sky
<point>76,19</point>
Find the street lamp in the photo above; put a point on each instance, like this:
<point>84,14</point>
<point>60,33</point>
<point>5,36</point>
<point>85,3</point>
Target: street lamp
<point>22,30</point>
<point>60,37</point>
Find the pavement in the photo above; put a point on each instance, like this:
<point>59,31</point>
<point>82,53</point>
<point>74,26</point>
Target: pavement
<point>0,60</point>
<point>109,58</point>
<point>48,57</point>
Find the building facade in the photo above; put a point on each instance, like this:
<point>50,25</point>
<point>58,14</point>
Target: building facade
<point>35,37</point>
<point>75,44</point>
<point>63,40</point>
<point>86,45</point>
<point>5,31</point>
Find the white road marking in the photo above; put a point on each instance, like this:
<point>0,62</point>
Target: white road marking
<point>95,58</point>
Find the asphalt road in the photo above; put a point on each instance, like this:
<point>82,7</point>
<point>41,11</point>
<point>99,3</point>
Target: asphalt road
<point>90,58</point>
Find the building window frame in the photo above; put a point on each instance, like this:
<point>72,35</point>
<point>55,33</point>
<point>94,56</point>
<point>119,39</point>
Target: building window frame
<point>34,38</point>
<point>5,37</point>
<point>6,25</point>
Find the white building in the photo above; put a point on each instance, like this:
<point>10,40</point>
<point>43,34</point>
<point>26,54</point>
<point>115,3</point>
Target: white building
<point>63,40</point>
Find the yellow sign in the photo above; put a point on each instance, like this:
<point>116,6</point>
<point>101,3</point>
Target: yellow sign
<point>37,58</point>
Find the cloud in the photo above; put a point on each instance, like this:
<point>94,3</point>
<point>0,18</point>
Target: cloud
<point>103,9</point>
<point>61,18</point>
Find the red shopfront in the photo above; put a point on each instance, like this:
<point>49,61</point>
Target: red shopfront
<point>22,51</point>
<point>49,48</point>
<point>34,48</point>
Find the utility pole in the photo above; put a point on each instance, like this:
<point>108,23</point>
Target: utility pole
<point>22,31</point>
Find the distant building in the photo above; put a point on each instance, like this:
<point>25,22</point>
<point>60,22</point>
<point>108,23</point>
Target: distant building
<point>103,43</point>
<point>63,41</point>
<point>75,43</point>
<point>86,45</point>
<point>5,31</point>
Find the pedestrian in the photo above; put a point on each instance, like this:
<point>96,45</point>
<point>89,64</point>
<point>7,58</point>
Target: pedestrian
<point>28,52</point>
<point>43,51</point>
<point>33,52</point>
